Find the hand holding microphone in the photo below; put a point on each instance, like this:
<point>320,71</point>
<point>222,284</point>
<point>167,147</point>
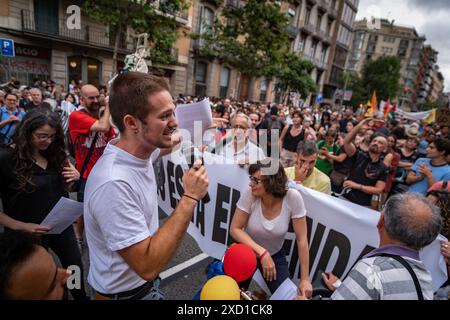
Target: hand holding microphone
<point>195,180</point>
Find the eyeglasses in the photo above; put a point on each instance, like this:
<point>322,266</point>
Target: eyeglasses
<point>255,180</point>
<point>239,127</point>
<point>44,137</point>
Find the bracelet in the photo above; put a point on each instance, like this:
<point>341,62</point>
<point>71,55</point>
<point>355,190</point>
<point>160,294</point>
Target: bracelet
<point>263,254</point>
<point>360,187</point>
<point>190,197</point>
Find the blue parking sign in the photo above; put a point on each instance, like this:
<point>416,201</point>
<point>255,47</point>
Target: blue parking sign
<point>7,47</point>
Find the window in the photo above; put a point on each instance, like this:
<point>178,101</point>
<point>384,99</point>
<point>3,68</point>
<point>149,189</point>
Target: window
<point>323,54</point>
<point>200,78</point>
<point>224,82</point>
<point>313,49</point>
<point>308,14</point>
<point>263,89</point>
<point>329,25</point>
<point>207,20</point>
<point>302,42</point>
<point>319,21</point>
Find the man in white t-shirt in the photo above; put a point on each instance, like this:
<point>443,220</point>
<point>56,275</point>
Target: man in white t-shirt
<point>127,247</point>
<point>237,146</point>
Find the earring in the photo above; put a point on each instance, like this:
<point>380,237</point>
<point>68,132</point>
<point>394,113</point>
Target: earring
<point>136,131</point>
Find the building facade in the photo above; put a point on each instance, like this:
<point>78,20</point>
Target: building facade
<point>319,31</point>
<point>46,48</point>
<point>417,60</point>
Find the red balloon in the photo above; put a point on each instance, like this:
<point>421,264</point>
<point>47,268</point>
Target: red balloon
<point>239,262</point>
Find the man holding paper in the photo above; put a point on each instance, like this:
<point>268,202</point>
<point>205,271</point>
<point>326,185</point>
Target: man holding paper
<point>127,247</point>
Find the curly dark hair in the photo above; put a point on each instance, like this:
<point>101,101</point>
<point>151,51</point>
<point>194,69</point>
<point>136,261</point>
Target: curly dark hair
<point>443,202</point>
<point>55,153</point>
<point>275,184</point>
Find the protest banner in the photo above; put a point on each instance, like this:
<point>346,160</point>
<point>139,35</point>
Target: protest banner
<point>339,232</point>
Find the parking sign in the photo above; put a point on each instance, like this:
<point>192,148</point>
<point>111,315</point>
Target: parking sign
<point>7,47</point>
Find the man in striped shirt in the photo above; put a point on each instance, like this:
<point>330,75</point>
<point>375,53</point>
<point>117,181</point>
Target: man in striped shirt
<point>408,223</point>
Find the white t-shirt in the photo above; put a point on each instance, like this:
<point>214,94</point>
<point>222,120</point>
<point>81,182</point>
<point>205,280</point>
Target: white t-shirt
<point>120,210</point>
<point>270,234</point>
<point>250,152</point>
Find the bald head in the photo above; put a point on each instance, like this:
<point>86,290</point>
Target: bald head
<point>412,219</point>
<point>90,97</point>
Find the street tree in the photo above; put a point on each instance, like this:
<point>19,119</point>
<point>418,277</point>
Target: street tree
<point>294,75</point>
<point>253,38</point>
<point>354,83</point>
<point>383,76</point>
<point>156,18</point>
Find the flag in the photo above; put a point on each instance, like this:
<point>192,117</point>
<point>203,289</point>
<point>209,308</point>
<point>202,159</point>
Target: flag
<point>369,109</point>
<point>432,117</point>
<point>387,107</point>
<point>374,102</point>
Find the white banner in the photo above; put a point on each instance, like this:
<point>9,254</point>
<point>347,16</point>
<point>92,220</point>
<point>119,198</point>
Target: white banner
<point>414,115</point>
<point>339,232</point>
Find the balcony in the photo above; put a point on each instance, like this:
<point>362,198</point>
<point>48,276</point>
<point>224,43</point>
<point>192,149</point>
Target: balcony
<point>320,33</point>
<point>308,27</point>
<point>233,3</point>
<point>292,31</point>
<point>59,32</point>
<point>323,5</point>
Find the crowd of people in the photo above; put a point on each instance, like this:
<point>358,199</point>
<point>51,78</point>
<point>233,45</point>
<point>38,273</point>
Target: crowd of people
<point>102,145</point>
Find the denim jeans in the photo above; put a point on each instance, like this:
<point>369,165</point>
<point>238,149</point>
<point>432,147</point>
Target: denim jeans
<point>281,266</point>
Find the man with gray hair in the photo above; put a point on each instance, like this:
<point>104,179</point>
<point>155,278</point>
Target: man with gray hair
<point>305,171</point>
<point>36,100</point>
<point>394,271</point>
<point>237,145</point>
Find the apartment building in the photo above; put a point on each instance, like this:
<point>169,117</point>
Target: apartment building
<point>437,89</point>
<point>46,48</point>
<point>320,31</point>
<point>417,59</point>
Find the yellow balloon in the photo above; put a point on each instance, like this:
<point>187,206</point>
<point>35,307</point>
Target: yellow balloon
<point>220,288</point>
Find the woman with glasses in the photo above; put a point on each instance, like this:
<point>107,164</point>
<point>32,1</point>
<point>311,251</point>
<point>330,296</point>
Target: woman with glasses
<point>261,221</point>
<point>34,175</point>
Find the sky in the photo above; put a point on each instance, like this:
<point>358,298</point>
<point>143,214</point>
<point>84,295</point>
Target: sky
<point>429,17</point>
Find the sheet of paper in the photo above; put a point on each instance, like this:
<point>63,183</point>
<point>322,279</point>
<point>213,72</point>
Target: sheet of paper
<point>63,214</point>
<point>286,291</point>
<point>195,118</point>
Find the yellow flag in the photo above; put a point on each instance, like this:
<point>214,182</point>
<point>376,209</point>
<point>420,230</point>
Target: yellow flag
<point>432,117</point>
<point>374,102</point>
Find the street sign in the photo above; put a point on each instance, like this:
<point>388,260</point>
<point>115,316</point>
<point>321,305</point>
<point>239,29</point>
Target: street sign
<point>7,47</point>
<point>348,95</point>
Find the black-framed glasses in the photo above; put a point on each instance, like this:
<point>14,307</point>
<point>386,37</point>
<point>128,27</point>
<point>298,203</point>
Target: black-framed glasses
<point>44,136</point>
<point>255,180</point>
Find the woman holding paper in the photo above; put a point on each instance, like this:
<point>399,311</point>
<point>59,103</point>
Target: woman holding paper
<point>34,175</point>
<point>261,221</point>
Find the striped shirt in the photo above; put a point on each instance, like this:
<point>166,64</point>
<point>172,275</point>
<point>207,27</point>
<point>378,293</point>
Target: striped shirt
<point>383,278</point>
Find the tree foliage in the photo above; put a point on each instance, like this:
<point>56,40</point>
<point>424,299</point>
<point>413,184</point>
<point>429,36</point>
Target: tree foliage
<point>383,76</point>
<point>142,16</point>
<point>251,38</point>
<point>294,75</point>
<point>360,94</point>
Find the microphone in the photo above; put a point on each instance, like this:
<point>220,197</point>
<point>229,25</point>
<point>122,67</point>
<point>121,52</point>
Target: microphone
<point>191,158</point>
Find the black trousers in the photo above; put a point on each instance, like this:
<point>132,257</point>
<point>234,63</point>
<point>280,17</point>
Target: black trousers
<point>65,246</point>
